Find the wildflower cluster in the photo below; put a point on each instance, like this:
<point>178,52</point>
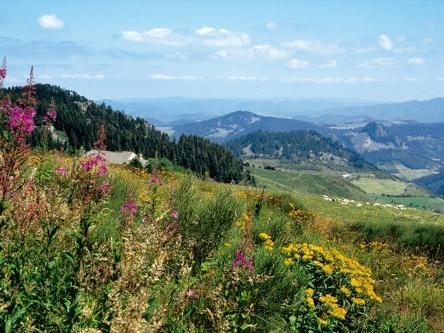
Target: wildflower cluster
<point>242,261</point>
<point>340,284</point>
<point>267,241</point>
<point>95,163</point>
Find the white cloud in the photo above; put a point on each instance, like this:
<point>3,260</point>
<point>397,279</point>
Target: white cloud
<point>379,62</point>
<point>50,22</point>
<point>73,76</point>
<point>330,80</point>
<point>402,50</point>
<point>427,40</point>
<point>161,36</point>
<point>221,37</point>
<point>268,51</point>
<point>314,47</point>
<point>270,25</point>
<point>416,61</point>
<point>263,51</point>
<point>364,50</point>
<point>165,77</point>
<point>243,78</point>
<point>385,42</point>
<point>297,64</point>
<point>329,64</point>
<point>204,31</point>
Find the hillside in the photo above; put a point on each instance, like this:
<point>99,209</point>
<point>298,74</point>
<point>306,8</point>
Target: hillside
<point>78,121</point>
<point>236,124</point>
<point>434,183</point>
<point>298,146</point>
<point>399,148</point>
<point>92,247</point>
<point>164,251</point>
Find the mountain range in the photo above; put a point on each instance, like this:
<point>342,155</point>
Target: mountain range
<point>180,110</point>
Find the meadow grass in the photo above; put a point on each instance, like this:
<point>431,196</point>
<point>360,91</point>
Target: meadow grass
<point>199,256</point>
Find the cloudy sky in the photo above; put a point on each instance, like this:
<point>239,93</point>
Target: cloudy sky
<point>378,50</point>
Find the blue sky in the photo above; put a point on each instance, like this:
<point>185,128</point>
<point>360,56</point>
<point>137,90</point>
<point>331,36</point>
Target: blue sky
<point>378,50</point>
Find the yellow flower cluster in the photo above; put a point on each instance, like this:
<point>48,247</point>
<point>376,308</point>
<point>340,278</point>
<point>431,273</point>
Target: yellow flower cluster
<point>144,196</point>
<point>297,214</point>
<point>334,309</point>
<point>267,241</point>
<point>242,221</point>
<point>360,284</point>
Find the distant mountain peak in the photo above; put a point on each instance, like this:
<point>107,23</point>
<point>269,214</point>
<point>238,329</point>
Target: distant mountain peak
<point>235,124</point>
<point>375,130</point>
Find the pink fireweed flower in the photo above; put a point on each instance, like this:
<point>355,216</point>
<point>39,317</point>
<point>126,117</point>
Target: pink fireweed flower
<point>240,260</point>
<point>175,214</point>
<point>61,171</point>
<point>102,170</point>
<point>155,179</point>
<point>50,116</point>
<point>129,207</point>
<point>95,162</point>
<point>21,121</point>
<point>105,188</point>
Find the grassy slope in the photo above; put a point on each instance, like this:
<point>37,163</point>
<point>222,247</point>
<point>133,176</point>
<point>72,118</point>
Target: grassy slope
<point>307,183</point>
<point>414,299</point>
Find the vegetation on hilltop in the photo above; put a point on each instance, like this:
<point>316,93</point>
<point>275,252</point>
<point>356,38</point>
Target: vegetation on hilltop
<point>78,120</point>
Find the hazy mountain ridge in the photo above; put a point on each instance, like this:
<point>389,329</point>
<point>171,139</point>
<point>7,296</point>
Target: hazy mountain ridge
<point>236,124</point>
<point>428,111</point>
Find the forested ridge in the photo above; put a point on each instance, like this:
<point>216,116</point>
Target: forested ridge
<point>78,121</point>
<point>300,144</point>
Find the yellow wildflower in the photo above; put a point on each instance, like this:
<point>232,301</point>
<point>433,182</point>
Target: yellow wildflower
<point>328,269</point>
<point>264,236</point>
<point>322,322</point>
<point>269,244</point>
<point>345,291</point>
<point>309,292</point>
<point>358,300</point>
<point>338,312</point>
<point>310,302</point>
<point>288,262</point>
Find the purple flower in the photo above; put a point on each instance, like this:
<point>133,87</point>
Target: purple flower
<point>95,162</point>
<point>240,260</point>
<point>102,170</point>
<point>175,214</point>
<point>129,207</point>
<point>105,188</point>
<point>50,116</point>
<point>155,179</point>
<point>61,171</point>
<point>21,121</point>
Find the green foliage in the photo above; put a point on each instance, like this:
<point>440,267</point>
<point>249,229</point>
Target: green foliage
<point>204,223</point>
<point>80,120</point>
<point>295,145</point>
<point>421,237</point>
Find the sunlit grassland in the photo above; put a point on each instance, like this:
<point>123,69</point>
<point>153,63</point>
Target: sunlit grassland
<point>157,273</point>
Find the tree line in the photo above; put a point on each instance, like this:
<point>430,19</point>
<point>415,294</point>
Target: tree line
<point>78,121</point>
